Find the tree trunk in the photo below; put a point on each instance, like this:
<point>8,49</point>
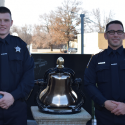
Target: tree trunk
<point>67,45</point>
<point>51,47</point>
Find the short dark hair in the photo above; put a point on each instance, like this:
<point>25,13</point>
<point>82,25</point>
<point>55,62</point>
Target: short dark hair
<point>114,22</point>
<point>5,10</point>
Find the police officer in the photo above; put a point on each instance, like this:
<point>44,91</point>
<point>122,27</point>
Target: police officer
<point>104,78</point>
<point>16,74</point>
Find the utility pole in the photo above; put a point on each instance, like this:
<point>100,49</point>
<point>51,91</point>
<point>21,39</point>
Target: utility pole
<point>2,2</point>
<point>82,33</point>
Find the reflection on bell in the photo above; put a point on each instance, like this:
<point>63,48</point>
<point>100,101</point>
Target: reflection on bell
<point>59,100</point>
<point>59,93</point>
<point>60,62</point>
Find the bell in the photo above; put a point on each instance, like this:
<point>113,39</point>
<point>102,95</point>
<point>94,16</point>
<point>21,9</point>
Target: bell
<point>58,92</point>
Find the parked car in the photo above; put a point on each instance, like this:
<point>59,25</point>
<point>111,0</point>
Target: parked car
<point>72,50</point>
<point>63,50</point>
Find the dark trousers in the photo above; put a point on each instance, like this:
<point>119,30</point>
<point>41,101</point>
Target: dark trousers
<point>15,114</point>
<point>104,117</point>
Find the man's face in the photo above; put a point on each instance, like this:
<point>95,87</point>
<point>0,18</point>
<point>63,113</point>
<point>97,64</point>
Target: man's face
<point>5,24</point>
<point>114,41</point>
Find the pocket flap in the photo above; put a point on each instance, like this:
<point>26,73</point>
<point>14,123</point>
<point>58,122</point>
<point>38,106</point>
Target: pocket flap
<point>16,56</point>
<point>101,67</point>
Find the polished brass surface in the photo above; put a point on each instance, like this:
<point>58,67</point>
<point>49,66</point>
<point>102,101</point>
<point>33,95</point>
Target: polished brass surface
<point>58,96</point>
<point>60,62</point>
<point>58,92</point>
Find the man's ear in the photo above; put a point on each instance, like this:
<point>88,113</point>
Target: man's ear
<point>124,36</point>
<point>11,22</point>
<point>105,35</point>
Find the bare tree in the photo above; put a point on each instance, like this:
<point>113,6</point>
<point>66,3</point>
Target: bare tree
<point>39,37</point>
<point>26,33</point>
<point>60,26</point>
<point>99,21</point>
<point>23,32</point>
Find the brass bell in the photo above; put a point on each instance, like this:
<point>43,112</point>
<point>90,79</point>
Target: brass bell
<point>58,93</point>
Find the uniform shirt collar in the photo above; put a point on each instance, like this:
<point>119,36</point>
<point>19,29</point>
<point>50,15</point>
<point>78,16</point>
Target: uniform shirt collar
<point>6,39</point>
<point>119,50</point>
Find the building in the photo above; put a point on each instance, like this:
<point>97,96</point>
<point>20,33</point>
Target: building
<point>93,43</point>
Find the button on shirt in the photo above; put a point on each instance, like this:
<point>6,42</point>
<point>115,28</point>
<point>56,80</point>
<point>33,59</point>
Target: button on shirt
<point>19,79</point>
<point>97,77</point>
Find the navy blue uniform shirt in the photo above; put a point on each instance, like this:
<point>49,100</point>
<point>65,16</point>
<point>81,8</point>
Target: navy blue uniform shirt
<point>97,77</point>
<point>19,78</point>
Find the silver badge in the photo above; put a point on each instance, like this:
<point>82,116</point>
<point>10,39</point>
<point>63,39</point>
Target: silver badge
<point>101,62</point>
<point>18,49</point>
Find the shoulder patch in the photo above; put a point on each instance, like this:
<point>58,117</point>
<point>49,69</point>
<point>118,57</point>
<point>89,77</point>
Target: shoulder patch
<point>89,61</point>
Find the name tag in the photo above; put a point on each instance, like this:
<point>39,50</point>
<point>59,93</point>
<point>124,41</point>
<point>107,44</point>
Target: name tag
<point>3,53</point>
<point>114,64</point>
<point>101,62</point>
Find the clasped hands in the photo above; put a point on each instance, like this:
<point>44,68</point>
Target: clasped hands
<point>118,108</point>
<point>7,100</point>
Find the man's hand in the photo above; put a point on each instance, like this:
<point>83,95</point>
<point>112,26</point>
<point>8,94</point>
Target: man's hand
<point>120,109</point>
<point>109,105</point>
<point>7,100</point>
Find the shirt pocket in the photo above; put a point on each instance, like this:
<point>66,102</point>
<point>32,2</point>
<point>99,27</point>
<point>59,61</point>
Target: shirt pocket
<point>122,72</point>
<point>16,62</point>
<point>103,74</point>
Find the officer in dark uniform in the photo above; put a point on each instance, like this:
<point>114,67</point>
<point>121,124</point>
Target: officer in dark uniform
<point>16,74</point>
<point>104,78</point>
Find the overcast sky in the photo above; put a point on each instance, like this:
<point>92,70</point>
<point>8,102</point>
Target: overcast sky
<point>28,11</point>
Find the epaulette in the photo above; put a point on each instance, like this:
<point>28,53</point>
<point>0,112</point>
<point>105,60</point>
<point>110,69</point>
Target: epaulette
<point>15,36</point>
<point>99,52</point>
<point>92,56</point>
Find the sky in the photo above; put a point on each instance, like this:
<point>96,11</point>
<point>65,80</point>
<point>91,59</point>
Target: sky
<point>28,11</point>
